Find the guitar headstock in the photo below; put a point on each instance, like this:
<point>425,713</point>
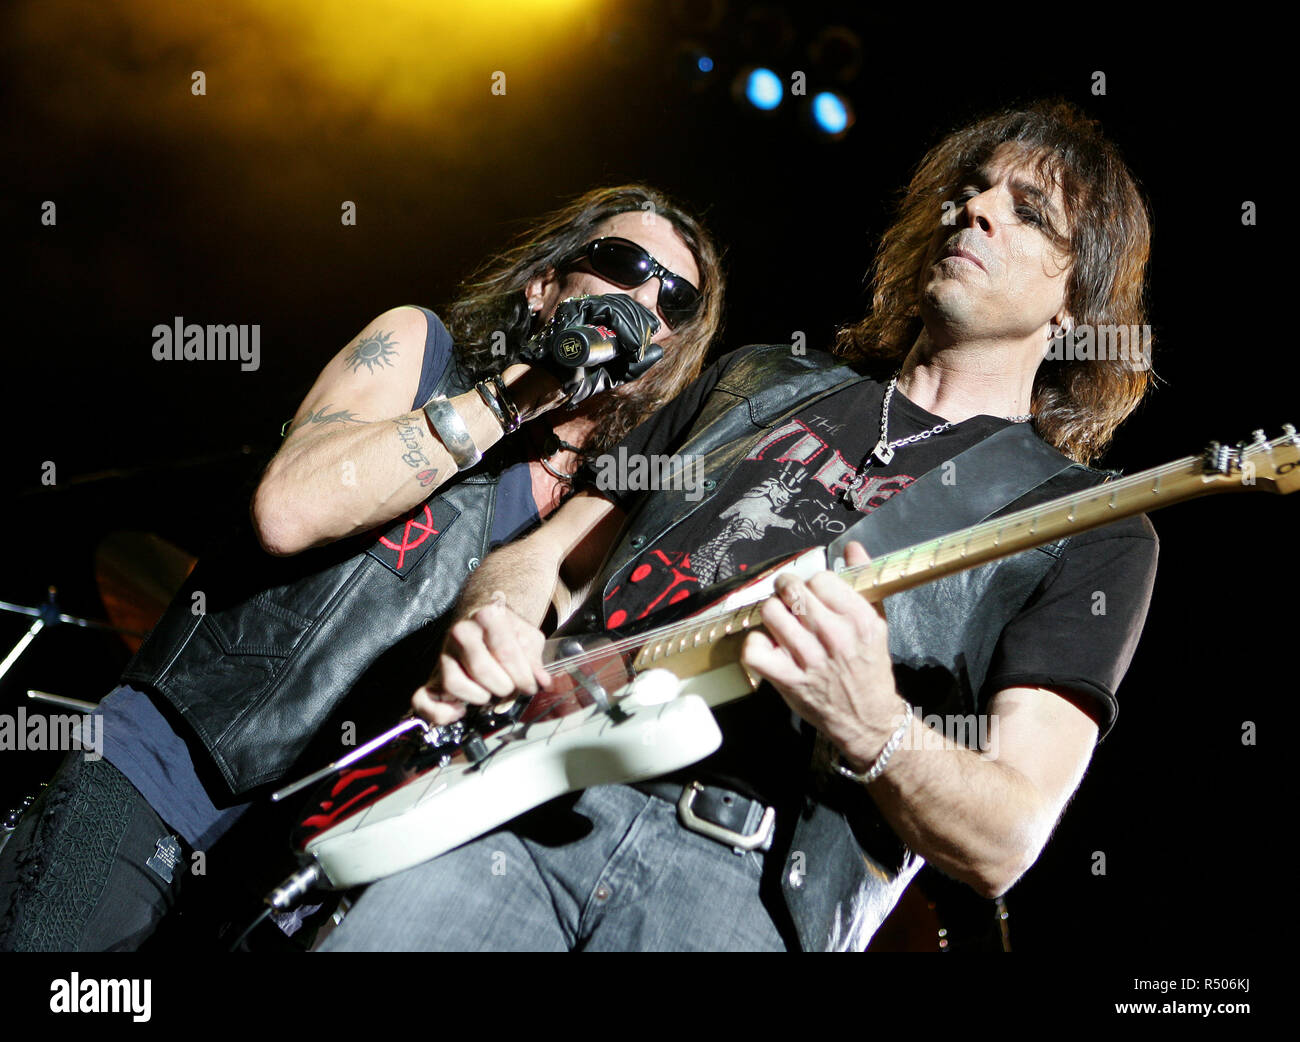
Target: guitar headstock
<point>1262,464</point>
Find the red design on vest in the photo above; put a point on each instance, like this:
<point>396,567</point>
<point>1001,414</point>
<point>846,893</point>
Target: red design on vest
<point>426,529</point>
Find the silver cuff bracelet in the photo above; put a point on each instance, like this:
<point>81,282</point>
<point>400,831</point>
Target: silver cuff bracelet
<point>453,433</point>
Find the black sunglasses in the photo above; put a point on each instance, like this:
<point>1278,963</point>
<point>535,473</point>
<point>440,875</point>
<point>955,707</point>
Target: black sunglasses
<point>624,263</point>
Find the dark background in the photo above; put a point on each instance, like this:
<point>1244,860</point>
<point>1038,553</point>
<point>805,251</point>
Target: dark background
<point>225,208</point>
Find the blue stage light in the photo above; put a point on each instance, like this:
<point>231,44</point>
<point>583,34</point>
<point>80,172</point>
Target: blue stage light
<point>830,112</point>
<point>763,89</point>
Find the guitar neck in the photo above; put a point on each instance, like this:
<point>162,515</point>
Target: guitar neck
<point>1034,526</point>
<point>698,645</point>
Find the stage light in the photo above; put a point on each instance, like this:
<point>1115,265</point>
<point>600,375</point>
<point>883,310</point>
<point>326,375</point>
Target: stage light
<point>763,89</point>
<point>692,65</point>
<point>832,114</point>
<point>405,62</point>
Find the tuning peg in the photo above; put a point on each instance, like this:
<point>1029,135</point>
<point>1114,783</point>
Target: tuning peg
<point>1288,430</point>
<point>1217,459</point>
<point>1260,437</point>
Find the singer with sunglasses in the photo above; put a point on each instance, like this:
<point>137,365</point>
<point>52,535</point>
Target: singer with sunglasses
<point>423,444</point>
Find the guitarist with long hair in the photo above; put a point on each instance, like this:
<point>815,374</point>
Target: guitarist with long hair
<point>959,397</point>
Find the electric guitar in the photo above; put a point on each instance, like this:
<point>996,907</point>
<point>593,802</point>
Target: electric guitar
<point>629,705</point>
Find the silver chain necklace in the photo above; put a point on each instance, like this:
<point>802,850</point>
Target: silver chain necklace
<point>884,450</point>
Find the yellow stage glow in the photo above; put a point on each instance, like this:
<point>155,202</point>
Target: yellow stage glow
<point>406,56</point>
<point>268,61</point>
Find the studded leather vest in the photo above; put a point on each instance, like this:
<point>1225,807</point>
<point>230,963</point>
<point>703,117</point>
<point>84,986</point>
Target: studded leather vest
<point>256,651</point>
<point>844,868</point>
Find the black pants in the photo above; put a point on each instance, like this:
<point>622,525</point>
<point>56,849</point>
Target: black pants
<point>73,875</point>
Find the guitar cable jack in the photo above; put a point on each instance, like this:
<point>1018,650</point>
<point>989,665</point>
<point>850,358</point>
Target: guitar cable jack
<point>287,895</point>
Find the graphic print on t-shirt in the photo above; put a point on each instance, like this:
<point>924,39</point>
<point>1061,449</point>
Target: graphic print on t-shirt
<point>794,489</point>
<point>747,518</point>
<point>802,443</point>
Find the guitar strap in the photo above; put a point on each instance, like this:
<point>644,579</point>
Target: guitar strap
<point>984,479</point>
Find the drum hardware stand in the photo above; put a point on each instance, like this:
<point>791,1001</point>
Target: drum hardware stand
<point>48,614</point>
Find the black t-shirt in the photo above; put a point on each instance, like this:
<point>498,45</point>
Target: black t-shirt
<point>807,480</point>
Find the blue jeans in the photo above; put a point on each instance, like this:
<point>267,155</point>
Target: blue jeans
<point>636,880</point>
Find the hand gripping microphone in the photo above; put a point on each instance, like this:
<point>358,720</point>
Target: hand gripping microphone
<point>582,345</point>
<point>593,343</point>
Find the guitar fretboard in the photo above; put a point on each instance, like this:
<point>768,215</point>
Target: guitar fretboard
<point>967,548</point>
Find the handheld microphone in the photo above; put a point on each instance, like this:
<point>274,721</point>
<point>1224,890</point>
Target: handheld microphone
<point>577,346</point>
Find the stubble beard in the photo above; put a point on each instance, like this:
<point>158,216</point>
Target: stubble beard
<point>948,312</point>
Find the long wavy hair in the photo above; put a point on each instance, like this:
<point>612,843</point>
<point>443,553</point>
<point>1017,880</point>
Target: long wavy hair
<point>493,301</point>
<point>1077,403</point>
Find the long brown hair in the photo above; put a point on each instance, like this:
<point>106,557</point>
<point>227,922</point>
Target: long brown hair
<point>493,302</point>
<point>1077,403</point>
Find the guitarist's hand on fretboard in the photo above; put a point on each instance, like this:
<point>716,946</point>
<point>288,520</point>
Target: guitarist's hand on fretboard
<point>826,650</point>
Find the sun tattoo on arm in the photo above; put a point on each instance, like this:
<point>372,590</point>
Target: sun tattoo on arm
<point>373,352</point>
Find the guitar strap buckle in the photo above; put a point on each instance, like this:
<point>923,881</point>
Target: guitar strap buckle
<point>757,821</point>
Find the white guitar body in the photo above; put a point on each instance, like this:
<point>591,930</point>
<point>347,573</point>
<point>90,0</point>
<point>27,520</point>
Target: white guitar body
<point>663,723</point>
<point>448,806</point>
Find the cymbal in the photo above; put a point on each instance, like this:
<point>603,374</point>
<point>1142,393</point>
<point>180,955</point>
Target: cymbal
<point>138,574</point>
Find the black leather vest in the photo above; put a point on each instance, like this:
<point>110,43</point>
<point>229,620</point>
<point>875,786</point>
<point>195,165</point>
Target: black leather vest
<point>256,664</point>
<point>844,868</point>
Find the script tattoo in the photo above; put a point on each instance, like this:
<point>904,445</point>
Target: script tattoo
<point>409,431</point>
<point>372,351</point>
<point>321,416</point>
